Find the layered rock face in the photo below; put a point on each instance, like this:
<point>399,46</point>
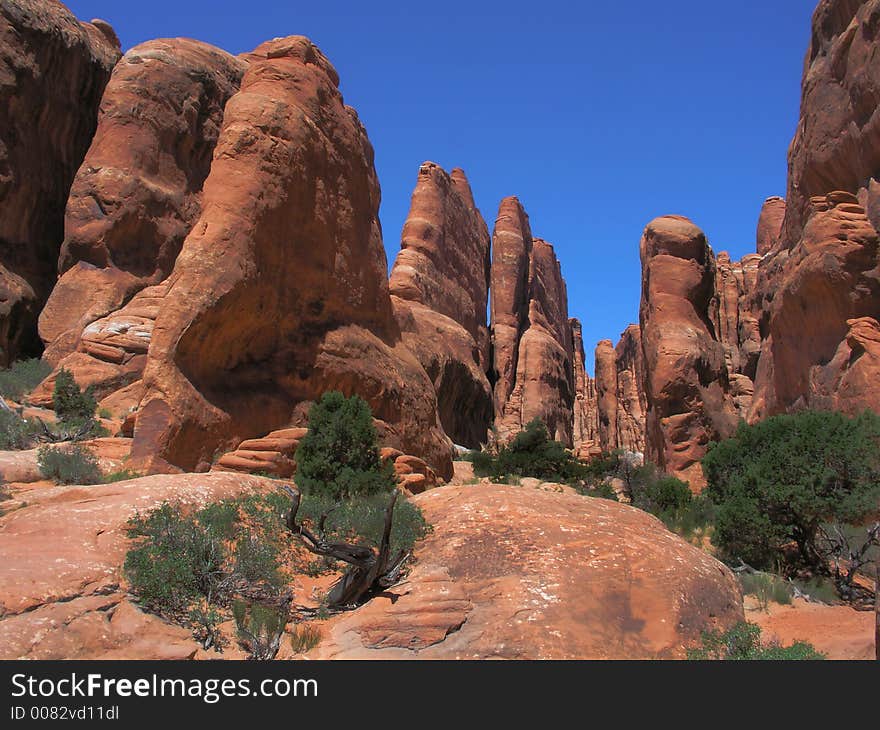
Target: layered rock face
<point>606,394</point>
<point>821,303</point>
<point>439,285</point>
<point>585,430</point>
<point>735,320</point>
<point>532,342</point>
<point>770,225</point>
<point>619,403</point>
<point>686,385</point>
<point>631,402</point>
<point>819,293</point>
<point>505,564</point>
<point>53,70</point>
<point>279,292</point>
<point>837,144</point>
<point>138,192</point>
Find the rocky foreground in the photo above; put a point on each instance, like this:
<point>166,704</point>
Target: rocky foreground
<point>507,572</point>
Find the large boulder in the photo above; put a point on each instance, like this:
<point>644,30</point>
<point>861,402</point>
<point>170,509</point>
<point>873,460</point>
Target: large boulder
<point>439,285</point>
<point>533,346</point>
<point>686,384</point>
<point>138,192</point>
<point>62,588</point>
<point>279,293</point>
<point>53,70</point>
<point>523,573</point>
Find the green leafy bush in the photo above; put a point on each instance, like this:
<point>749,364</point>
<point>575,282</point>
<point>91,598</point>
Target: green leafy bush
<point>743,642</point>
<point>361,519</point>
<point>304,638</point>
<point>69,464</point>
<point>531,453</point>
<point>22,377</point>
<point>178,558</point>
<point>777,481</point>
<point>766,587</point>
<point>121,476</point>
<point>15,432</point>
<point>339,456</point>
<point>71,404</point>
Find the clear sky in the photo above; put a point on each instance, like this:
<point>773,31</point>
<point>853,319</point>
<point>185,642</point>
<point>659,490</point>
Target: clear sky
<point>599,115</point>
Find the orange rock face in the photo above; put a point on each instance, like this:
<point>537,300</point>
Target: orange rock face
<point>52,68</point>
<point>439,285</point>
<point>631,402</point>
<point>820,299</point>
<point>585,430</point>
<point>279,292</point>
<point>837,144</point>
<point>523,573</point>
<point>770,225</point>
<point>531,334</point>
<point>138,191</point>
<point>685,376</point>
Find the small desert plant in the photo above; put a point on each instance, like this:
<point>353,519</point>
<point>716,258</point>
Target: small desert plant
<point>304,638</point>
<point>69,464</point>
<point>205,620</point>
<point>121,476</point>
<point>743,642</point>
<point>22,377</point>
<point>72,405</point>
<point>15,432</point>
<point>531,453</point>
<point>766,587</point>
<point>261,626</point>
<point>360,519</point>
<point>339,456</point>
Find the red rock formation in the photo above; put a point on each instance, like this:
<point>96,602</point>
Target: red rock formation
<point>279,292</point>
<point>837,144</point>
<point>631,402</point>
<point>582,578</point>
<point>138,191</point>
<point>606,394</point>
<point>585,430</point>
<point>819,293</point>
<point>620,396</point>
<point>531,335</point>
<point>770,224</point>
<point>439,285</point>
<point>819,301</point>
<point>53,70</point>
<point>685,374</point>
<point>736,323</point>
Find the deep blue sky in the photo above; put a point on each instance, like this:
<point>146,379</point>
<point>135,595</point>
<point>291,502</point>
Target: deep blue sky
<point>598,115</point>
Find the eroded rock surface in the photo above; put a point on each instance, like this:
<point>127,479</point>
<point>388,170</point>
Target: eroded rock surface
<point>512,572</point>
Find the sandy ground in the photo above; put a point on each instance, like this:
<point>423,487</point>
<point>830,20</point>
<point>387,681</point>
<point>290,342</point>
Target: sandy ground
<point>839,632</point>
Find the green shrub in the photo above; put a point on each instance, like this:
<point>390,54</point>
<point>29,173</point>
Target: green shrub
<point>71,404</point>
<point>15,432</point>
<point>777,481</point>
<point>743,642</point>
<point>362,519</point>
<point>304,638</point>
<point>766,587</point>
<point>121,476</point>
<point>69,464</point>
<point>339,456</point>
<point>531,453</point>
<point>22,377</point>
